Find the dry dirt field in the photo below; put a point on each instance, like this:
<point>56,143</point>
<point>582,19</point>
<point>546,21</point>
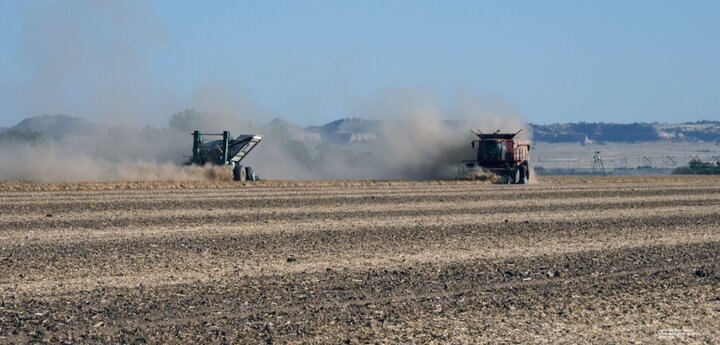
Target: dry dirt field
<point>567,260</point>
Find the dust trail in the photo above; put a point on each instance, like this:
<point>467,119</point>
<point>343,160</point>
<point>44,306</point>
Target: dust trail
<point>53,164</point>
<point>93,59</point>
<point>413,139</point>
<point>107,153</point>
<point>427,146</point>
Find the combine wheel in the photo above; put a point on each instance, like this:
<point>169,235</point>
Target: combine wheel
<point>522,179</point>
<point>527,173</point>
<point>515,176</point>
<point>507,177</point>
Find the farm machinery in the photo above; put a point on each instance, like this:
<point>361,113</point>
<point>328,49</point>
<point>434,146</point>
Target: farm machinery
<point>501,155</point>
<point>225,152</point>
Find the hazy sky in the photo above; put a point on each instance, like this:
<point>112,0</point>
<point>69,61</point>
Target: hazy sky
<point>315,61</point>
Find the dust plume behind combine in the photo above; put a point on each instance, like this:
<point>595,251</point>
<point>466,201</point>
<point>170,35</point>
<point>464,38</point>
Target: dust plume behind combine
<point>417,138</point>
<point>422,144</point>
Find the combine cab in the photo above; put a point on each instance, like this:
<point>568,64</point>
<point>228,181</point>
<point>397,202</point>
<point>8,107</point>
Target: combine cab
<point>226,152</point>
<point>500,154</point>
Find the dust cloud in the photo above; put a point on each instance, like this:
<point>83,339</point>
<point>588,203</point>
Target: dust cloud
<point>416,138</point>
<point>415,141</point>
<point>112,154</point>
<point>53,166</point>
<point>93,59</point>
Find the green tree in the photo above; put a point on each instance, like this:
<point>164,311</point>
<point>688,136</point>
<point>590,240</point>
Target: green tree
<point>20,135</point>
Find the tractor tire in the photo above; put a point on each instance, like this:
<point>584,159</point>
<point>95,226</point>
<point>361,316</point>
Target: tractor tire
<point>250,174</point>
<point>239,173</point>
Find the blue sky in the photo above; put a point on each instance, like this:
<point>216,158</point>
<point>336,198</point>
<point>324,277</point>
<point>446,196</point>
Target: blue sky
<point>315,61</point>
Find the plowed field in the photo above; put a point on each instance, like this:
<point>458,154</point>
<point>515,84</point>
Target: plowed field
<point>568,260</point>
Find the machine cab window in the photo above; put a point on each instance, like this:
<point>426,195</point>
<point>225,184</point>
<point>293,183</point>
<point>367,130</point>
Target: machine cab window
<point>492,150</point>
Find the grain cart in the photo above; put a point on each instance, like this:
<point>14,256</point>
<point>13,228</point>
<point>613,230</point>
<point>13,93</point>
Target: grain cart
<point>225,152</point>
<point>500,154</point>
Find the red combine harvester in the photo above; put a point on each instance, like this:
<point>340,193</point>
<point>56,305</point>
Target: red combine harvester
<point>500,154</point>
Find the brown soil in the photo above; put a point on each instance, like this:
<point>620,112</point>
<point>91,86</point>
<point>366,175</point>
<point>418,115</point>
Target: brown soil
<point>567,260</point>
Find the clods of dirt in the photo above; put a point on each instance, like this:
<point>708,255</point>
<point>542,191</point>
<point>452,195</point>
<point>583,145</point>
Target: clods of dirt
<point>700,273</point>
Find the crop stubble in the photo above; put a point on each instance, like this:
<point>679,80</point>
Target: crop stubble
<point>568,260</point>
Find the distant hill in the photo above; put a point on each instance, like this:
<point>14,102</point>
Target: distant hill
<point>59,126</point>
<point>358,130</point>
<point>289,130</point>
<point>348,130</point>
<point>584,132</point>
<point>691,131</point>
